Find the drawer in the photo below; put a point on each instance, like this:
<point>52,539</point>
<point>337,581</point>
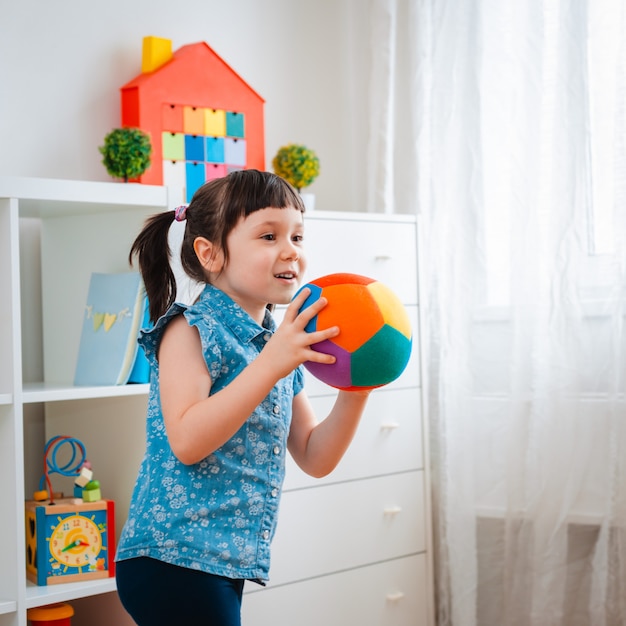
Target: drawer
<point>386,251</point>
<point>346,525</point>
<point>410,377</point>
<point>388,440</point>
<point>394,593</point>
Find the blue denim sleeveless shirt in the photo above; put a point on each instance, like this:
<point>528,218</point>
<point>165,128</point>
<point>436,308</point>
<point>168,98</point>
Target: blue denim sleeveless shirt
<point>219,515</point>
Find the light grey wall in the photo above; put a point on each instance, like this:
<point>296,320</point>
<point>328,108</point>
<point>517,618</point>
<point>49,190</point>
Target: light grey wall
<point>62,63</point>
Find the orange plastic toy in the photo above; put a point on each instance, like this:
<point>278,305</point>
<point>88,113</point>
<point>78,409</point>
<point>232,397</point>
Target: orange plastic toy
<point>58,614</point>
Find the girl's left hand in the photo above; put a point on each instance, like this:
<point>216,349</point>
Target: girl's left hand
<point>291,344</point>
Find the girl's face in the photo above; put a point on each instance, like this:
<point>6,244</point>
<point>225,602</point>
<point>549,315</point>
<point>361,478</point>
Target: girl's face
<point>265,260</point>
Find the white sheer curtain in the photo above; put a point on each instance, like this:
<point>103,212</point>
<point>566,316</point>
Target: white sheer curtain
<point>502,123</point>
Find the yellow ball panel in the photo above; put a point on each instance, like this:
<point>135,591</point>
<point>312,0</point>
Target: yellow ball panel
<point>391,308</point>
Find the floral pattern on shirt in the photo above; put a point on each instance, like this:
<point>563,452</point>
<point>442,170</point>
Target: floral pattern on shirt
<point>219,515</point>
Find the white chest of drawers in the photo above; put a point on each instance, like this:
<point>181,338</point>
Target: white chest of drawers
<point>355,547</point>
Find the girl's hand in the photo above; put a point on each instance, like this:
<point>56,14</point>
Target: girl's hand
<point>291,344</point>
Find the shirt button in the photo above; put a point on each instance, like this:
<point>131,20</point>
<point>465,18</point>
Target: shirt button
<point>276,449</point>
<point>267,336</point>
<point>274,492</point>
<point>266,534</point>
<point>276,409</point>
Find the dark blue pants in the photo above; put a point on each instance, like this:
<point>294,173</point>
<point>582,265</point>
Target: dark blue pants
<point>159,594</point>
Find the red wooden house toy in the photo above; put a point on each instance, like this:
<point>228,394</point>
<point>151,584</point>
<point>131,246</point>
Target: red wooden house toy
<point>203,119</point>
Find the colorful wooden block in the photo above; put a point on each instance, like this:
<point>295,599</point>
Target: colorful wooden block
<point>214,149</point>
<point>92,495</point>
<point>235,151</point>
<point>84,476</point>
<point>196,176</point>
<point>193,120</point>
<point>214,122</point>
<point>234,124</point>
<point>173,146</point>
<point>91,492</point>
<point>172,118</point>
<point>194,148</point>
<point>156,52</point>
<point>175,174</point>
<point>215,170</point>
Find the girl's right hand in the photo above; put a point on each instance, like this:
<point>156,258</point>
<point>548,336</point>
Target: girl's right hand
<point>291,344</point>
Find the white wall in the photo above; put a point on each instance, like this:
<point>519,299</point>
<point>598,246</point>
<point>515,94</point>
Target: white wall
<point>62,63</point>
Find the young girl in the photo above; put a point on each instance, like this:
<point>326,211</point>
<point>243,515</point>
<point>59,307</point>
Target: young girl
<point>226,401</point>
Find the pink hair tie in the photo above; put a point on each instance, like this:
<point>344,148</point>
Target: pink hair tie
<point>180,213</point>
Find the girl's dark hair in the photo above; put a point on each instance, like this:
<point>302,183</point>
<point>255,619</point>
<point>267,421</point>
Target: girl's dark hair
<point>213,212</point>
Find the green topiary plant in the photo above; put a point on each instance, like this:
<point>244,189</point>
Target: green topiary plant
<point>126,153</point>
<point>297,164</point>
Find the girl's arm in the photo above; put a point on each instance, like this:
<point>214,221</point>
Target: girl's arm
<point>316,447</point>
<point>196,423</point>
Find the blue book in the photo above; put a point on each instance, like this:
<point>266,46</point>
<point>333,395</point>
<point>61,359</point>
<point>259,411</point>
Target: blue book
<point>115,310</point>
<point>141,367</point>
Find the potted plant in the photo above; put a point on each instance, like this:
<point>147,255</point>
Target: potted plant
<point>299,166</point>
<point>126,153</point>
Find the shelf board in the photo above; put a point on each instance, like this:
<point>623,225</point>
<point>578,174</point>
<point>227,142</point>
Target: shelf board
<point>39,596</point>
<point>6,398</point>
<point>7,606</point>
<point>48,392</point>
<point>360,217</point>
<point>41,197</point>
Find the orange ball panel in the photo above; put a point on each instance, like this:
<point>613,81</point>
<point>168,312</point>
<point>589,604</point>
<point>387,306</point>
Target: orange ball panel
<point>342,279</point>
<point>356,312</point>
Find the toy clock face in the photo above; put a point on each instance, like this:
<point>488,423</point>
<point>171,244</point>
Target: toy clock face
<point>76,541</point>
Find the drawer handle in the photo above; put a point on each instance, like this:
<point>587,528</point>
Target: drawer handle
<point>392,510</point>
<point>383,257</point>
<point>395,596</point>
<point>389,425</point>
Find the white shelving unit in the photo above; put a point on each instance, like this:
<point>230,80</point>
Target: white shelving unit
<point>355,545</point>
<point>53,234</point>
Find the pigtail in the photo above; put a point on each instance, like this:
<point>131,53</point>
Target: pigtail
<point>151,247</point>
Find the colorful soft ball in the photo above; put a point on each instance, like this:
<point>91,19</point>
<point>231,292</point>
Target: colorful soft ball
<point>374,343</point>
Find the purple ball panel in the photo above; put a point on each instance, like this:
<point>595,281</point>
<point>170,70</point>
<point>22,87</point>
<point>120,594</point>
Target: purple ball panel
<point>336,374</point>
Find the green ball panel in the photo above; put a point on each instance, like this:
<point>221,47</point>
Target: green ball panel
<point>382,359</point>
